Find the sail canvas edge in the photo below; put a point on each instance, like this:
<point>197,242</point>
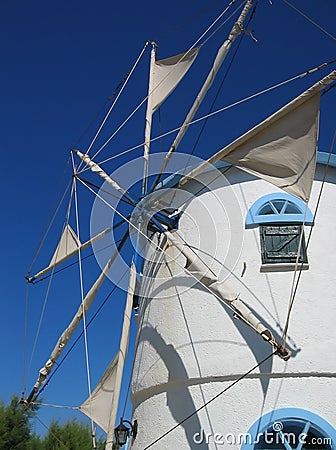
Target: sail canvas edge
<point>70,254</point>
<point>102,405</point>
<point>104,390</point>
<point>164,76</point>
<point>284,152</point>
<point>261,150</point>
<point>68,332</point>
<point>68,244</point>
<point>167,74</point>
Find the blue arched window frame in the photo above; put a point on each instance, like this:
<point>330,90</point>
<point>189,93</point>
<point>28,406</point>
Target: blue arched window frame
<point>276,418</point>
<point>255,217</point>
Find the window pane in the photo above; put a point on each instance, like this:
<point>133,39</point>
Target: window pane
<point>278,204</point>
<point>292,209</point>
<point>267,209</point>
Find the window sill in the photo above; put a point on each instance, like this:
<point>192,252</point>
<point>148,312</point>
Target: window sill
<point>283,267</point>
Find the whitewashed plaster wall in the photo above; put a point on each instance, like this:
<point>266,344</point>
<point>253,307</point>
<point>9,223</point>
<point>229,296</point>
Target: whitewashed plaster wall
<point>190,345</point>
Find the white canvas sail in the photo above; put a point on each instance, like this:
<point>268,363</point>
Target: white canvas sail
<point>68,332</point>
<point>166,75</point>
<point>102,405</point>
<point>221,55</point>
<point>60,257</point>
<point>220,288</point>
<point>282,148</point>
<point>97,169</point>
<point>223,291</point>
<point>98,405</point>
<point>68,244</point>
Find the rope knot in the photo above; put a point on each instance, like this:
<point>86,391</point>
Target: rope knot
<point>250,33</point>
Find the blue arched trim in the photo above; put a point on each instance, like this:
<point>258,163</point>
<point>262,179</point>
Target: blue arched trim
<point>255,217</point>
<point>287,414</point>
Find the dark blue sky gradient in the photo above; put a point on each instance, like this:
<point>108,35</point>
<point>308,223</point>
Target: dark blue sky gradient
<point>60,61</point>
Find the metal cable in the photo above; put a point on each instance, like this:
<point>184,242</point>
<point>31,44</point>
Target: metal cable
<point>58,364</point>
<point>43,238</point>
<point>224,108</point>
<point>86,347</point>
<point>145,99</point>
<point>84,257</point>
<point>310,20</point>
<point>284,337</point>
<point>112,106</point>
<point>210,401</point>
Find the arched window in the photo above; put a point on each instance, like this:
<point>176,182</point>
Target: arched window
<point>290,428</point>
<point>278,208</point>
<point>280,217</point>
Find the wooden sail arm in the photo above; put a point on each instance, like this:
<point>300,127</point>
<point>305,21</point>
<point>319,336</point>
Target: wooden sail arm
<point>223,291</point>
<point>221,54</point>
<point>164,76</point>
<point>122,356</point>
<point>301,113</point>
<point>68,332</point>
<point>69,255</point>
<point>148,125</point>
<point>94,167</point>
<point>102,405</point>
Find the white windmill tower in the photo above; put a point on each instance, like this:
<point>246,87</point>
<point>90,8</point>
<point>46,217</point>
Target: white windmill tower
<point>247,258</point>
<point>226,271</point>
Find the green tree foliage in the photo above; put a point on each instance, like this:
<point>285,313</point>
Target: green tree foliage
<point>15,428</point>
<point>16,432</point>
<point>34,443</point>
<point>71,436</point>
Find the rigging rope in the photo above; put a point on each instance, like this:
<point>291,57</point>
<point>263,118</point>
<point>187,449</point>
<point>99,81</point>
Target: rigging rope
<point>215,98</point>
<point>192,344</point>
<point>310,20</point>
<point>51,432</point>
<point>44,235</point>
<point>291,303</point>
<point>87,363</point>
<point>40,322</point>
<point>295,280</point>
<point>58,364</point>
<point>221,85</point>
<point>84,257</point>
<point>123,81</point>
<point>113,104</point>
<point>145,99</point>
<point>123,198</point>
<point>224,108</point>
<point>217,63</point>
<point>226,20</point>
<point>285,329</point>
<point>109,98</point>
<point>236,312</point>
<point>183,23</point>
<point>137,341</point>
<point>210,401</point>
<point>50,281</point>
<point>224,172</point>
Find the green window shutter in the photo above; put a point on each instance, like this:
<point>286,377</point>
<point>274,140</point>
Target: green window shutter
<point>279,244</point>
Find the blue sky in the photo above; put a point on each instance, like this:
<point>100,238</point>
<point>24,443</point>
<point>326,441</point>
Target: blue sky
<point>59,63</point>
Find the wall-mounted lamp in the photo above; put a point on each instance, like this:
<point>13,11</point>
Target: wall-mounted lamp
<point>121,432</point>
